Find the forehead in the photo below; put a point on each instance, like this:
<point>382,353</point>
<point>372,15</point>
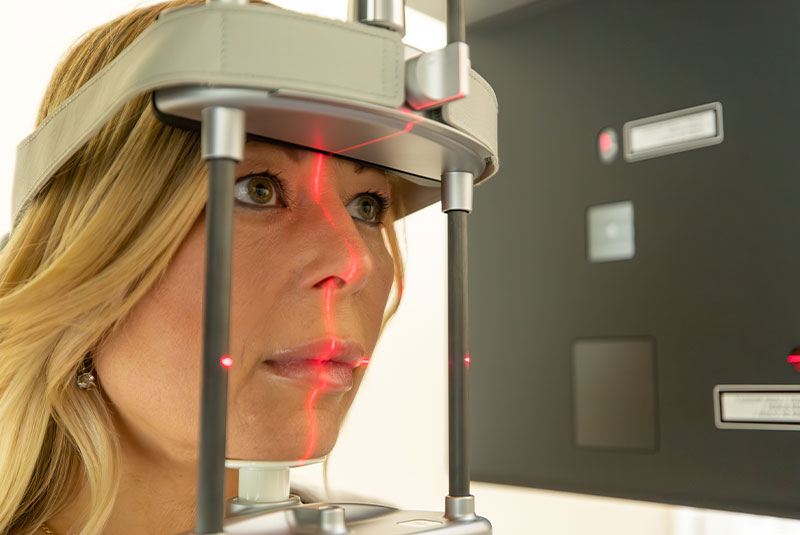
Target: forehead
<point>259,154</point>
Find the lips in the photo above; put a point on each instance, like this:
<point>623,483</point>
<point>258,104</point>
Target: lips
<point>325,364</point>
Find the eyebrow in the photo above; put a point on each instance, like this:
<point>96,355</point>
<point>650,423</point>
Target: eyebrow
<point>293,153</point>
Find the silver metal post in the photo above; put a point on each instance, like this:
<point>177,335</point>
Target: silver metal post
<point>457,203</point>
<point>388,14</point>
<point>222,137</point>
<point>456,22</point>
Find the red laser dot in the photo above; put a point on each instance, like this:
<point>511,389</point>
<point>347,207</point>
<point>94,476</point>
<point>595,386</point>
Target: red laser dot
<point>226,362</point>
<point>466,360</point>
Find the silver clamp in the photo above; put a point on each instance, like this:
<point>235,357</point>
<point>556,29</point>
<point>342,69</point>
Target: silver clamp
<point>457,191</point>
<point>437,77</point>
<point>459,507</point>
<point>223,134</point>
<point>389,14</point>
<point>318,519</point>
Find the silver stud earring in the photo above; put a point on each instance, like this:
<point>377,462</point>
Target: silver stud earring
<point>85,378</point>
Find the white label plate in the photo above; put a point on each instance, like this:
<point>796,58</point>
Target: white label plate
<point>672,132</point>
<point>775,407</point>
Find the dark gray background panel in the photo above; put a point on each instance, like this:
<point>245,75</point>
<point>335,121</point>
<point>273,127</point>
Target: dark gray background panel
<point>715,280</point>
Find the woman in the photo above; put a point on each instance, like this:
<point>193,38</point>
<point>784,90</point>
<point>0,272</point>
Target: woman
<point>101,304</point>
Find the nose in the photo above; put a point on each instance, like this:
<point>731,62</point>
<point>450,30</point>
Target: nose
<point>337,254</point>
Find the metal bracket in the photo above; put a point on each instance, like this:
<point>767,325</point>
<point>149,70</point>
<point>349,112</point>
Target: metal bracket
<point>457,189</point>
<point>437,77</point>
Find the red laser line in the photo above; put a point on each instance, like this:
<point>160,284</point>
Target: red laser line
<point>328,310</point>
<point>408,128</point>
<point>313,424</point>
<point>442,101</point>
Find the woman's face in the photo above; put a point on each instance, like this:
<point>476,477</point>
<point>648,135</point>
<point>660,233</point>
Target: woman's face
<point>310,266</point>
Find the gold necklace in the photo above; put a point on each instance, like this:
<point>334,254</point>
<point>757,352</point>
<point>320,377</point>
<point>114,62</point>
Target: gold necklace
<point>47,530</point>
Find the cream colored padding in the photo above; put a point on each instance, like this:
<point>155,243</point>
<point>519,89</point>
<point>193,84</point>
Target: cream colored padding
<point>252,46</point>
<point>476,114</point>
<point>255,47</point>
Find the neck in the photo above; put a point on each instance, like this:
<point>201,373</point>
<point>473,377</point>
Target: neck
<point>154,497</point>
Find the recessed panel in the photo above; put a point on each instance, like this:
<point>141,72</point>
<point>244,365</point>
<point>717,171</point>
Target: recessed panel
<point>614,393</point>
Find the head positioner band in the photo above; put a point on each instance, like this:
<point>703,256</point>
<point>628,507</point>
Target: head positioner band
<point>281,54</point>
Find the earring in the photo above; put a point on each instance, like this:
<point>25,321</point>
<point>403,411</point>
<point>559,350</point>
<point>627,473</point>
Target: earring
<point>85,377</point>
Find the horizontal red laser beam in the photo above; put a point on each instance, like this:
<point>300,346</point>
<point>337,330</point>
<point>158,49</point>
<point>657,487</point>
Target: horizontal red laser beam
<point>408,128</point>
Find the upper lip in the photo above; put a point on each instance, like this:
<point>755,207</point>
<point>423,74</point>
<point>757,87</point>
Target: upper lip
<point>333,349</point>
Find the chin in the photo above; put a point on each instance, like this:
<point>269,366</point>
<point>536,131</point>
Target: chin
<point>292,445</point>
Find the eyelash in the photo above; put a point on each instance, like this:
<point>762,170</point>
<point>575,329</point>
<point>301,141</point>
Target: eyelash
<point>384,202</point>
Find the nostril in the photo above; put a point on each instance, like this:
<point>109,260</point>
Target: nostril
<point>334,281</point>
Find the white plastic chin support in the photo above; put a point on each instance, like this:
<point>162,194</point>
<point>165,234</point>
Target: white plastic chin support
<point>264,485</point>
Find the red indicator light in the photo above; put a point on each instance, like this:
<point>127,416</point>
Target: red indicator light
<point>466,360</point>
<point>605,142</point>
<point>607,145</point>
<point>794,358</point>
<point>226,361</point>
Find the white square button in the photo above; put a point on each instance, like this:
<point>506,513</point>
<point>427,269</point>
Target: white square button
<point>610,229</point>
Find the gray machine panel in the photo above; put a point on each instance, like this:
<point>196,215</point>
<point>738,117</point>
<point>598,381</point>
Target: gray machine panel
<point>709,273</point>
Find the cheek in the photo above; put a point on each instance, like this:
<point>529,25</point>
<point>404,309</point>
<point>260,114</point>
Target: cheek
<point>380,247</point>
<point>149,367</point>
<point>383,275</point>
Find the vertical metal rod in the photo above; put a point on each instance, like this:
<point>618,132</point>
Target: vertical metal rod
<point>216,321</point>
<point>458,331</point>
<point>456,22</point>
<point>457,203</point>
<point>223,145</point>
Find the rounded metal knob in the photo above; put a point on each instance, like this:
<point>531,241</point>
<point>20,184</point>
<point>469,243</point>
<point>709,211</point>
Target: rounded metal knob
<point>320,518</point>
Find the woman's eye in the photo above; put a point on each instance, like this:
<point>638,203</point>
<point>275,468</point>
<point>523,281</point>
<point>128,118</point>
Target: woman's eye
<point>368,207</point>
<point>257,190</point>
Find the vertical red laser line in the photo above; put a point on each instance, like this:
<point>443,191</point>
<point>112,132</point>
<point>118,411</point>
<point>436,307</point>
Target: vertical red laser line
<point>351,273</point>
<point>313,425</point>
<point>328,310</point>
<point>312,440</point>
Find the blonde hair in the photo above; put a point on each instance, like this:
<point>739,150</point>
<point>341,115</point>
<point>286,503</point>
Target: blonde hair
<point>77,262</point>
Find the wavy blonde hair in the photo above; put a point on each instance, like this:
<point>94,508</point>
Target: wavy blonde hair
<point>77,262</point>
